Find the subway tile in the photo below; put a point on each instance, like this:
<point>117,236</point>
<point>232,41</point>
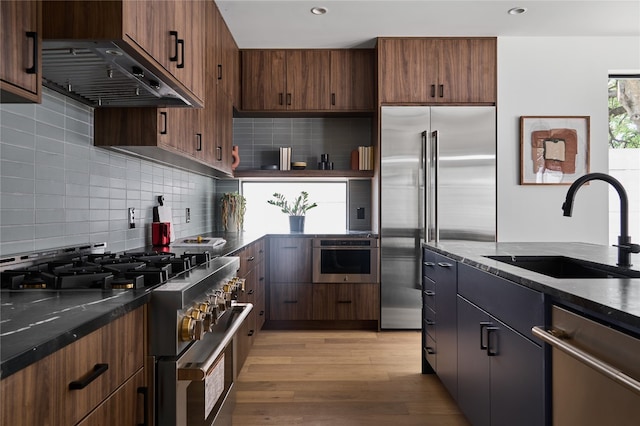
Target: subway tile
<point>50,173</point>
<point>76,202</point>
<point>50,215</point>
<point>103,237</point>
<point>46,144</point>
<point>17,216</point>
<point>13,120</point>
<point>117,194</point>
<point>49,131</point>
<point>99,226</point>
<point>13,247</point>
<point>116,182</point>
<point>50,243</point>
<point>78,112</point>
<point>17,201</point>
<point>52,101</point>
<point>49,230</point>
<point>77,215</point>
<point>16,232</point>
<point>99,191</point>
<point>117,204</point>
<point>16,137</point>
<point>13,185</point>
<point>102,156</point>
<point>49,159</point>
<point>78,178</point>
<point>133,195</point>
<point>98,215</point>
<point>44,201</point>
<point>14,169</point>
<point>73,138</point>
<point>17,153</point>
<point>50,187</point>
<point>50,117</point>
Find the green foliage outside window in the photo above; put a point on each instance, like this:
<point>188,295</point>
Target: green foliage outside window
<point>624,113</point>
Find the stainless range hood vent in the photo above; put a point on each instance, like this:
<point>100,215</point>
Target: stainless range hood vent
<point>100,74</point>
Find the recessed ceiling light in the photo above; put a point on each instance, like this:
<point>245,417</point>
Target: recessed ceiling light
<point>517,10</point>
<point>319,10</point>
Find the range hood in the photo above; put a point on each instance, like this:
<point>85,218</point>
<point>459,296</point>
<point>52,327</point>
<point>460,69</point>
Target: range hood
<point>102,74</point>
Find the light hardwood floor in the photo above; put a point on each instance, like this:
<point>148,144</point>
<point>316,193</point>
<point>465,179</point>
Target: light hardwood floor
<point>338,378</point>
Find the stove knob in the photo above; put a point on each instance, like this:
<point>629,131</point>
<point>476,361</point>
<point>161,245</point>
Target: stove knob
<point>187,329</point>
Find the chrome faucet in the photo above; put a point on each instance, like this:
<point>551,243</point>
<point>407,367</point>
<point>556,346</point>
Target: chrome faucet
<point>625,247</point>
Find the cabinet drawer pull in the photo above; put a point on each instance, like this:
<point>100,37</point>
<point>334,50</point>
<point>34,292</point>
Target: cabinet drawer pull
<point>145,405</point>
<point>261,279</point>
<point>483,325</point>
<point>97,371</point>
<point>445,264</point>
<point>219,72</point>
<point>261,313</point>
<point>290,301</point>
<point>491,331</point>
<point>251,259</point>
<point>290,247</point>
<point>250,333</point>
<point>174,34</point>
<point>430,322</point>
<point>430,350</point>
<point>441,90</point>
<point>429,293</point>
<point>333,99</point>
<point>250,291</point>
<point>344,301</point>
<point>34,61</point>
<point>429,264</point>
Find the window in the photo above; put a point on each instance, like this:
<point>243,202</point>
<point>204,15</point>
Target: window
<point>624,150</point>
<point>329,216</point>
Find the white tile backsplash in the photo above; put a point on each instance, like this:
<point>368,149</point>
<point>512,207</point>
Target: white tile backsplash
<point>57,189</point>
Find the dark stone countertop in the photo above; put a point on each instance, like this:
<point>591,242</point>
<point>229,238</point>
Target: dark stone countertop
<point>36,323</point>
<point>612,299</point>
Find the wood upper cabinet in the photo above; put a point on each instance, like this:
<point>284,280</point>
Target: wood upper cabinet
<point>107,364</point>
<point>21,38</point>
<point>437,70</point>
<point>308,80</point>
<point>226,68</point>
<point>167,35</point>
<point>352,80</point>
<point>285,80</point>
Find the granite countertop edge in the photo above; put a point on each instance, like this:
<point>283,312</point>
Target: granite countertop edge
<point>602,296</point>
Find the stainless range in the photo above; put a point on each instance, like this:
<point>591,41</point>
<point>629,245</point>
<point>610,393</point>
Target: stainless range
<point>192,324</point>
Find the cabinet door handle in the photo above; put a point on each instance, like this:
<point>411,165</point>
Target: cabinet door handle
<point>290,247</point>
<point>250,333</point>
<point>483,325</point>
<point>433,90</point>
<point>290,301</point>
<point>429,293</point>
<point>261,313</point>
<point>219,153</point>
<point>251,259</point>
<point>34,58</point>
<point>164,123</point>
<point>344,301</point>
<point>430,350</point>
<point>198,141</point>
<point>441,90</point>
<point>288,98</point>
<point>250,291</point>
<point>181,44</point>
<point>431,264</point>
<point>333,99</point>
<point>261,279</point>
<point>492,350</point>
<point>145,405</point>
<point>445,264</point>
<point>174,34</point>
<point>97,371</point>
<point>280,99</point>
<point>219,71</point>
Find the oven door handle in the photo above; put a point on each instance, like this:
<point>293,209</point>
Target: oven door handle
<point>198,371</point>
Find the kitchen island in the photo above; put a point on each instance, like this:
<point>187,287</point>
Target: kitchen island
<point>485,323</point>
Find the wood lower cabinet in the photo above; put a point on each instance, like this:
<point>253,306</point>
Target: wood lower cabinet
<point>103,367</point>
<point>289,260</point>
<point>342,302</point>
<point>290,302</point>
<point>437,70</point>
<point>21,38</point>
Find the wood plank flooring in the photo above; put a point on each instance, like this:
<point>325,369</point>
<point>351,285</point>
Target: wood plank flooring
<point>340,378</point>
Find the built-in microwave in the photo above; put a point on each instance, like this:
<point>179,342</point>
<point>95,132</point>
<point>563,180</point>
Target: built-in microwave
<point>345,260</point>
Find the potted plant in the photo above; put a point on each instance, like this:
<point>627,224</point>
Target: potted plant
<point>296,210</point>
<point>233,206</point>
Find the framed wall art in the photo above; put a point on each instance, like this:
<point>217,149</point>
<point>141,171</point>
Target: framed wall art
<point>554,150</point>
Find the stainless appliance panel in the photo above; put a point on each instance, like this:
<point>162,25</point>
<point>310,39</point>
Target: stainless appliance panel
<point>437,165</point>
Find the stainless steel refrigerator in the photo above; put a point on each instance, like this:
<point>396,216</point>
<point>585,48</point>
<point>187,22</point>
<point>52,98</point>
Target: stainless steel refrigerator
<point>438,171</point>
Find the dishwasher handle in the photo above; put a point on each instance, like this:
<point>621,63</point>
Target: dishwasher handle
<point>586,358</point>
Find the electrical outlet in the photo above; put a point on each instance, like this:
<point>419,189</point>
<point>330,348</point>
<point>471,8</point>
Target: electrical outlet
<point>132,218</point>
<point>187,214</point>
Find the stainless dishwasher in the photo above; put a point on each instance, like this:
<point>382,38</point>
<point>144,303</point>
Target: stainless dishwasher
<point>595,371</point>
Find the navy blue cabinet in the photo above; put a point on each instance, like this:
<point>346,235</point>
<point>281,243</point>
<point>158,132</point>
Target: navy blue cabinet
<point>500,368</point>
<point>440,341</point>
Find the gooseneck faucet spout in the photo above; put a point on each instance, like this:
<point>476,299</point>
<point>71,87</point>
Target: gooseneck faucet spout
<point>625,248</point>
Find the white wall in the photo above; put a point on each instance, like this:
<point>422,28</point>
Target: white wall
<point>555,76</point>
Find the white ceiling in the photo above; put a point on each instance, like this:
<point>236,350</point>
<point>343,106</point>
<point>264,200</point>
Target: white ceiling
<point>356,23</point>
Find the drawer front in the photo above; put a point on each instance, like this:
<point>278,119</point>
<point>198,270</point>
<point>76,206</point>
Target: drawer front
<point>429,264</point>
<point>429,295</point>
<point>429,322</point>
<point>429,352</point>
<point>519,307</point>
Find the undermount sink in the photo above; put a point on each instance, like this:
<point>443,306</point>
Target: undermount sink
<point>566,267</point>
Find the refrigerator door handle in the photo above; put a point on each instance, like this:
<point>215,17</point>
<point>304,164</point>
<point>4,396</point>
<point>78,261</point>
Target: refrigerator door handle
<point>424,206</point>
<point>435,138</point>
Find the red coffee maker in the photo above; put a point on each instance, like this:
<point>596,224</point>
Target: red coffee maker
<point>160,233</point>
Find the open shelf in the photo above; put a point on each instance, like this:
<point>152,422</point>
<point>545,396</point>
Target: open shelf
<point>360,174</point>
